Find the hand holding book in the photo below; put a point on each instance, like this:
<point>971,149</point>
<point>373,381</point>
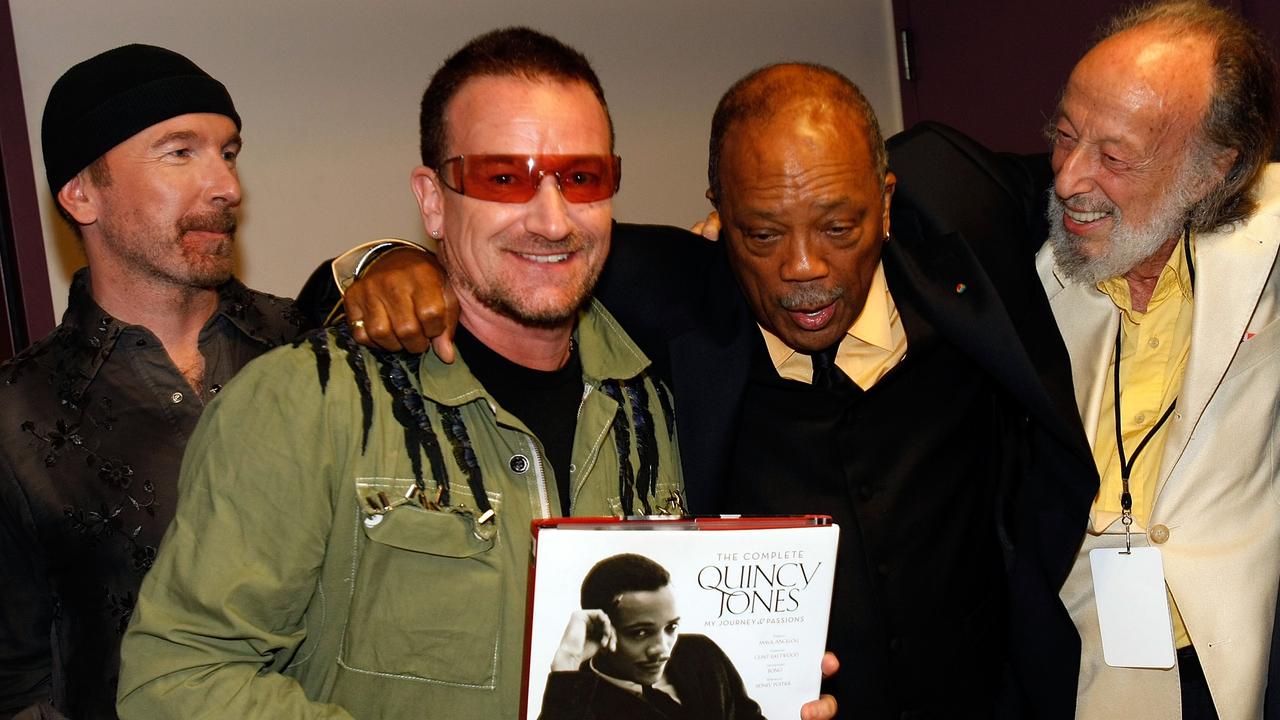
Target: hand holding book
<point>666,620</point>
<point>824,708</point>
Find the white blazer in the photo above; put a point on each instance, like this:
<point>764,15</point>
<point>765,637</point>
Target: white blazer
<point>1218,492</point>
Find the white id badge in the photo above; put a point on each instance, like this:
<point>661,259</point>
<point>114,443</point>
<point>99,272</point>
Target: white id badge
<point>1133,607</point>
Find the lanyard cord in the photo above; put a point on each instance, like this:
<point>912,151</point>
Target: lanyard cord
<point>1126,464</point>
<point>1186,252</point>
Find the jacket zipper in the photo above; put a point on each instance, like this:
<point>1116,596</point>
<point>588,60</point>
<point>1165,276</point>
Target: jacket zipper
<point>540,478</point>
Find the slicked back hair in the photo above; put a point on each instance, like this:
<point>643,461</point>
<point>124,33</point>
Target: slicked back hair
<point>764,91</point>
<point>618,574</point>
<point>1242,113</point>
<point>518,52</point>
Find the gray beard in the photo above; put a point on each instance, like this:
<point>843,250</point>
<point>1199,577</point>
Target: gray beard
<point>1127,245</point>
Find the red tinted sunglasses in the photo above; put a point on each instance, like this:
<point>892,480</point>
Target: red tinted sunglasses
<point>515,178</point>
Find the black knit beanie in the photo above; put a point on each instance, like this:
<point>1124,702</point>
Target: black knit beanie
<point>111,97</point>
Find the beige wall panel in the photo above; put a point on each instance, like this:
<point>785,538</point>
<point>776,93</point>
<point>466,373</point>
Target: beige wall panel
<point>328,92</point>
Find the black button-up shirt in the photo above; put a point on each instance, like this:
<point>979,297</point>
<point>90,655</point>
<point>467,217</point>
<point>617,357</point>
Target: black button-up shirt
<point>93,422</point>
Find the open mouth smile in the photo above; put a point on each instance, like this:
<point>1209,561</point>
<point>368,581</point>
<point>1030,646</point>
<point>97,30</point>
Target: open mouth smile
<point>545,259</point>
<point>1079,221</point>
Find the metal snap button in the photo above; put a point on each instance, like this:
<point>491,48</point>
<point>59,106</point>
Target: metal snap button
<point>519,464</point>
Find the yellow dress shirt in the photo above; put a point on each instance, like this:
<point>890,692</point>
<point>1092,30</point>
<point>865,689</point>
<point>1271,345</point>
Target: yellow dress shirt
<point>871,347</point>
<point>1153,357</point>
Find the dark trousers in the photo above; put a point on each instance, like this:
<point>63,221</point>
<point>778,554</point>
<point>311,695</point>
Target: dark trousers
<point>1197,703</point>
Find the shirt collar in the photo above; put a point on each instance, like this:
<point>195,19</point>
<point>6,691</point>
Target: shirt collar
<point>873,326</point>
<point>91,333</point>
<point>634,688</point>
<point>266,318</point>
<point>631,687</point>
<point>1175,279</point>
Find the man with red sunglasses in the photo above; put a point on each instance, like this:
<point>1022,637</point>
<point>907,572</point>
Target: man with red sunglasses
<point>352,538</point>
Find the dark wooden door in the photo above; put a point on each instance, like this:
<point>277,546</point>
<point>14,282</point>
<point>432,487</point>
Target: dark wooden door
<point>994,69</point>
<point>26,309</point>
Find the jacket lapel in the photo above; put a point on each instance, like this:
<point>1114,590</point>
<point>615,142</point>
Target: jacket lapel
<point>1087,319</point>
<point>1231,270</point>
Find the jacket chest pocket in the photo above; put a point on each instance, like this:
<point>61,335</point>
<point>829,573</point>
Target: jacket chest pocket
<point>427,599</point>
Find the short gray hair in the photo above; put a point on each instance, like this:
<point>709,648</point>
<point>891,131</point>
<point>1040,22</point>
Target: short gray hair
<point>762,92</point>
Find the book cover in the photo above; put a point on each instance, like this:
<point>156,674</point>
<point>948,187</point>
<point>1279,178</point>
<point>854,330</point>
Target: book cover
<point>722,617</point>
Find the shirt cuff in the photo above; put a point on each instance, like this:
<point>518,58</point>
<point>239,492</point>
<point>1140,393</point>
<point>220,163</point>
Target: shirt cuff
<point>350,265</point>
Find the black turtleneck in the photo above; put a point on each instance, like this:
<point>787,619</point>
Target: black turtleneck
<point>546,401</point>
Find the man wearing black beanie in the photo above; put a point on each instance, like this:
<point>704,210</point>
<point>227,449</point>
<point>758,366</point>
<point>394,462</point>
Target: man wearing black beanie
<point>140,150</point>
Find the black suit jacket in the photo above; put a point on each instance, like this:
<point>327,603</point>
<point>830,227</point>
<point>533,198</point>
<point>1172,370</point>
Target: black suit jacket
<point>960,215</point>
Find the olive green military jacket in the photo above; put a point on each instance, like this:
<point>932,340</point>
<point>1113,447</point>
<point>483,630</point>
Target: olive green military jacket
<point>353,539</point>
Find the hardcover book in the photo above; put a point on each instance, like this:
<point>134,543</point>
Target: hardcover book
<point>674,618</point>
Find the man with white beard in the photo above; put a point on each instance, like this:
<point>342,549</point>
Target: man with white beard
<point>1129,244</point>
<point>1160,269</point>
